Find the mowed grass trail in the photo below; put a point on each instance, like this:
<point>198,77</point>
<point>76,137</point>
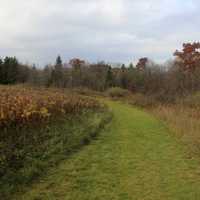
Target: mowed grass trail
<point>134,158</point>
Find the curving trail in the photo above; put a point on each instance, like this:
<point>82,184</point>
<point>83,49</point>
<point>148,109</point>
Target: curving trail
<point>135,158</point>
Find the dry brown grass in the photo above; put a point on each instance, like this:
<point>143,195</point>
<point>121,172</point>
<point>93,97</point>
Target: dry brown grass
<point>183,121</point>
<point>182,117</point>
<point>20,106</point>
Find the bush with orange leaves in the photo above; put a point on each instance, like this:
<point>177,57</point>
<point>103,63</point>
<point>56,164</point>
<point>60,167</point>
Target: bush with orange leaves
<point>21,107</point>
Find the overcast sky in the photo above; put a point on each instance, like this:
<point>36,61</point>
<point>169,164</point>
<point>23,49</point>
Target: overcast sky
<point>112,30</point>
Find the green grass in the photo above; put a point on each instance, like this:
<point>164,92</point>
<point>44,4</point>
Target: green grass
<point>135,158</point>
<point>60,139</point>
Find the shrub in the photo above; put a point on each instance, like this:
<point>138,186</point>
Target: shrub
<point>192,101</point>
<point>86,91</point>
<point>116,92</point>
<point>143,100</point>
<point>21,107</point>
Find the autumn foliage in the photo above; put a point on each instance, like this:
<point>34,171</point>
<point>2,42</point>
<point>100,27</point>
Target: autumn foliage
<point>36,122</point>
<point>76,62</point>
<point>189,57</point>
<point>25,107</point>
<point>141,65</point>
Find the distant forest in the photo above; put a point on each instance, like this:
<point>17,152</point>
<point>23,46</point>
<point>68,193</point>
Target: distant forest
<point>177,77</point>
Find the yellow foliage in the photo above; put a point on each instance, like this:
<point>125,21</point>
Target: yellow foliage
<point>27,106</point>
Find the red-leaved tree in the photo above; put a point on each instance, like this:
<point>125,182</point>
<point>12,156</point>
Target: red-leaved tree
<point>141,65</point>
<point>189,58</point>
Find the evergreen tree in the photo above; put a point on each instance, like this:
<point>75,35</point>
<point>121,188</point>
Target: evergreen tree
<point>58,61</point>
<point>123,67</point>
<point>109,78</point>
<point>131,66</point>
<point>57,73</point>
<point>9,70</point>
<point>123,77</point>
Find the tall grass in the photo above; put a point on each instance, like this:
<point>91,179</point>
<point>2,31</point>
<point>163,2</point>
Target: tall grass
<point>39,128</point>
<point>21,107</point>
<point>184,120</point>
<point>182,116</point>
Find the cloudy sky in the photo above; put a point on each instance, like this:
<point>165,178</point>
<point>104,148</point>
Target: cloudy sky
<point>36,31</point>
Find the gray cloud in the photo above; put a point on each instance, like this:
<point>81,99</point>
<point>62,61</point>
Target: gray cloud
<point>112,30</point>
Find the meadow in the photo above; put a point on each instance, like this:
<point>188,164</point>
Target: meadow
<point>134,157</point>
<point>57,109</point>
<point>181,116</point>
<point>40,127</point>
<point>45,128</point>
<point>183,120</point>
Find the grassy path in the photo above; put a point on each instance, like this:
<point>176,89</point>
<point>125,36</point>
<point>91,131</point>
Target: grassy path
<point>134,158</point>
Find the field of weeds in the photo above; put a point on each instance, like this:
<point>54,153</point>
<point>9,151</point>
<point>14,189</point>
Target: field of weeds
<point>40,127</point>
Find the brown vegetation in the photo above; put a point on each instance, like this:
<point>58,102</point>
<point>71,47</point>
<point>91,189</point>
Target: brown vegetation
<point>23,107</point>
<point>182,116</point>
<point>38,123</point>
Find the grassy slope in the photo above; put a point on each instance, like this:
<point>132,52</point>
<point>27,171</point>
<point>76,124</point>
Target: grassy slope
<point>135,158</point>
<point>59,140</point>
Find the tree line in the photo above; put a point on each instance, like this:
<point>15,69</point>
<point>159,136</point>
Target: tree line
<point>177,77</point>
